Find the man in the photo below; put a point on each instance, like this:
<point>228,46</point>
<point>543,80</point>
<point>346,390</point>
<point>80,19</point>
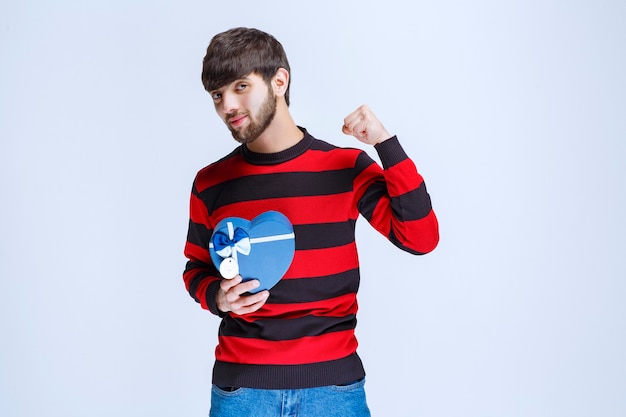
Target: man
<point>292,350</point>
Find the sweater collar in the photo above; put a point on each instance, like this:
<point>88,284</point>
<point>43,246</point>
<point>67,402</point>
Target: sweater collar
<point>278,157</point>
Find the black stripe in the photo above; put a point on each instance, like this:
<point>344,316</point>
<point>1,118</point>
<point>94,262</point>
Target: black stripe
<point>280,185</point>
<point>197,279</point>
<point>370,198</point>
<point>413,205</point>
<point>283,329</point>
<point>393,239</point>
<point>307,290</point>
<point>324,235</point>
<point>362,163</point>
<point>198,234</point>
<point>305,375</point>
<point>320,145</point>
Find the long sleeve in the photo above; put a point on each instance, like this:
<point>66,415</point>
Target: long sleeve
<point>200,275</point>
<point>395,200</point>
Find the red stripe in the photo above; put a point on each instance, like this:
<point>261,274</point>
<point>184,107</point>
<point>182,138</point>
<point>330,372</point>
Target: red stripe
<point>381,217</point>
<point>217,172</point>
<point>194,252</point>
<point>369,175</point>
<point>311,161</point>
<point>198,211</point>
<point>322,262</point>
<point>311,349</point>
<point>342,306</point>
<point>420,235</point>
<point>405,178</point>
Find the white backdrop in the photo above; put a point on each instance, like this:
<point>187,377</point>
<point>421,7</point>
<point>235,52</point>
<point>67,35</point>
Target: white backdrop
<point>514,112</point>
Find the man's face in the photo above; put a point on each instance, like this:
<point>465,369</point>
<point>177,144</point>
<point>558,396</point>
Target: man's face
<point>247,106</point>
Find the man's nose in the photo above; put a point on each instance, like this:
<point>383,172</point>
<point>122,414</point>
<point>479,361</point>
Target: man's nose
<point>229,103</point>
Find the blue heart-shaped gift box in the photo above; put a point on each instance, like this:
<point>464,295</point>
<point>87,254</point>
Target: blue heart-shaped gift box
<point>261,248</point>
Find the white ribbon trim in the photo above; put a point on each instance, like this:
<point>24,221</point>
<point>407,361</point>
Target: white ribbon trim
<point>274,238</point>
<point>263,239</point>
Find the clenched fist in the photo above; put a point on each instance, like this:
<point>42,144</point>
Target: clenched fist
<point>365,126</point>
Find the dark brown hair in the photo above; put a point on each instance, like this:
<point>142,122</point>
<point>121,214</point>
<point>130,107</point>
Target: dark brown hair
<point>237,52</point>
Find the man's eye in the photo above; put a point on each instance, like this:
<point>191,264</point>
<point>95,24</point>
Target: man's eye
<point>216,96</point>
<point>241,86</point>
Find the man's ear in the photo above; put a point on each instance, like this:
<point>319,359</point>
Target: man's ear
<point>280,82</point>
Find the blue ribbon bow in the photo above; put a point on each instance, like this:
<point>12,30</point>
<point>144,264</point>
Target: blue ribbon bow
<point>227,245</point>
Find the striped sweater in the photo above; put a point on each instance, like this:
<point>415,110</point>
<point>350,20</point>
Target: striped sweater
<point>304,335</point>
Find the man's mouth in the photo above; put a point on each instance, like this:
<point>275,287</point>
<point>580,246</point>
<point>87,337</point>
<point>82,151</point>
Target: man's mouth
<point>237,120</point>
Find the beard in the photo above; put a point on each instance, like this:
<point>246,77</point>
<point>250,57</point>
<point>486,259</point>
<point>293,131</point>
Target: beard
<point>258,124</point>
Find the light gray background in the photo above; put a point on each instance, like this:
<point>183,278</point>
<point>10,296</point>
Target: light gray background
<point>514,112</point>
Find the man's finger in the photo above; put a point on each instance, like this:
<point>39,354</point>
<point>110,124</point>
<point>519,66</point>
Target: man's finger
<point>247,286</point>
<point>251,303</point>
<point>227,284</point>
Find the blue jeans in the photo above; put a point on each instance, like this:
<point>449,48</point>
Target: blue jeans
<point>331,401</point>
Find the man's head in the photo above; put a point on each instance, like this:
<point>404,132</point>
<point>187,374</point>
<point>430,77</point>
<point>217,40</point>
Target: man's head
<point>239,52</point>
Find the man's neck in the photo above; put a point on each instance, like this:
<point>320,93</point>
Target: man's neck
<point>281,134</point>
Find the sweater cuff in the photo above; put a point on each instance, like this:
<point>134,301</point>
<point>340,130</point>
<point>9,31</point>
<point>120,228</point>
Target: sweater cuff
<point>390,152</point>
